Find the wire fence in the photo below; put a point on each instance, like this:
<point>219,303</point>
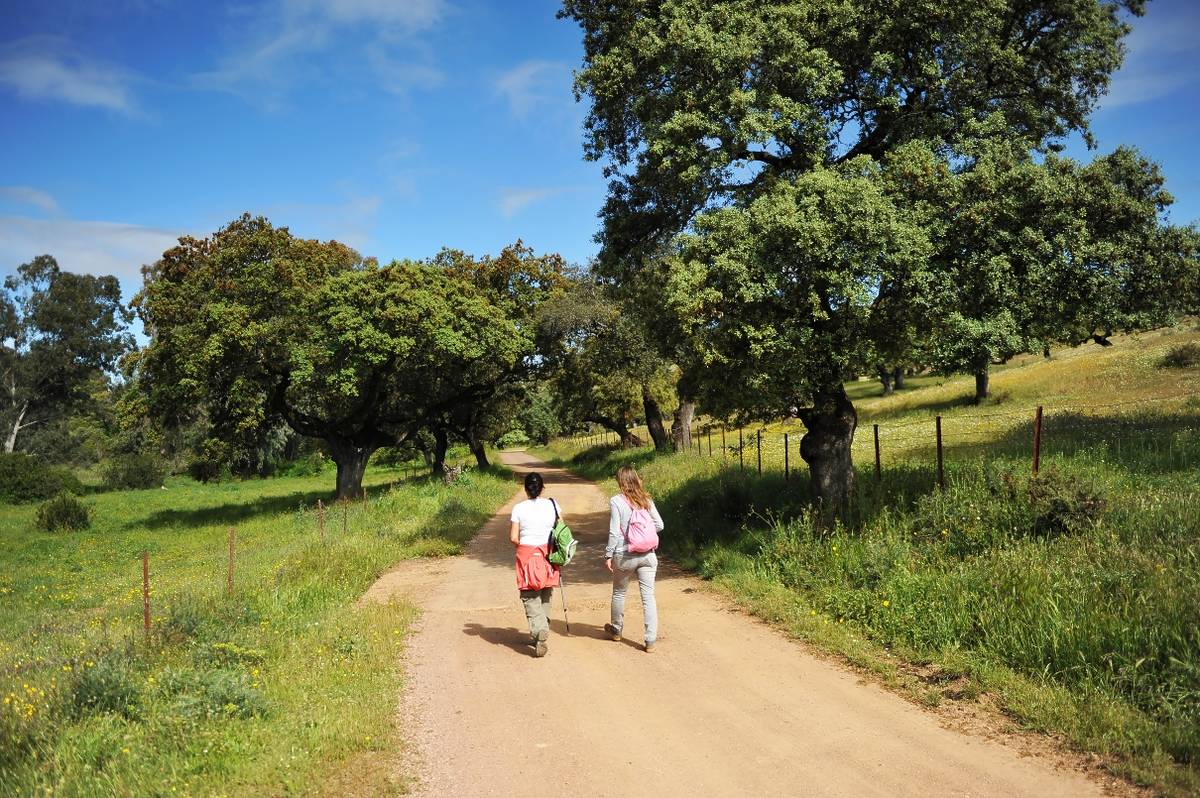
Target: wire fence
<point>1158,435</point>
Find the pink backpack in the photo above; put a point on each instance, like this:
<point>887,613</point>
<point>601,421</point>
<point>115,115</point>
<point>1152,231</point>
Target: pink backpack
<point>640,535</point>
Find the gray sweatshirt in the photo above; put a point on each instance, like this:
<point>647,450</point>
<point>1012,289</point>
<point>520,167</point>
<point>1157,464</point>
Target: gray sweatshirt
<point>618,522</point>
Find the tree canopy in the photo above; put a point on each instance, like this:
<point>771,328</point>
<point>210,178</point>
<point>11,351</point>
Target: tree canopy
<point>762,142</point>
<point>60,332</point>
<point>254,326</point>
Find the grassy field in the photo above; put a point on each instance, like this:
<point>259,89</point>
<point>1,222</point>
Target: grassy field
<point>1068,600</point>
<point>267,691</point>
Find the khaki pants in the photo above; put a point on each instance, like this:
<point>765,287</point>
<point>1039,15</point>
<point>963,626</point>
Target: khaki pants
<point>537,610</point>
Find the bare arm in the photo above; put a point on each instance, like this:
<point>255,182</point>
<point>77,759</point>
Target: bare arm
<point>514,533</point>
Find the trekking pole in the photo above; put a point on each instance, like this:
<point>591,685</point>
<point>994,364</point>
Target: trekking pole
<point>563,593</point>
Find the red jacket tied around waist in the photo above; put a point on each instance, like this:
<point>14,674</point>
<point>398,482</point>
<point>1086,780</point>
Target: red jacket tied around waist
<point>534,570</point>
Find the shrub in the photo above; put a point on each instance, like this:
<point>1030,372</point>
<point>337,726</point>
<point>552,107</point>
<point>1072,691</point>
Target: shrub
<point>24,478</point>
<point>63,512</point>
<point>1182,356</point>
<point>108,686</point>
<point>513,438</point>
<point>1058,503</point>
<point>136,470</point>
<point>203,469</point>
<point>310,465</point>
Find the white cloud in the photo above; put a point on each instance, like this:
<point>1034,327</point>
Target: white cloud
<point>1158,60</point>
<point>24,195</point>
<point>85,247</point>
<point>46,68</point>
<point>515,200</point>
<point>532,83</point>
<point>286,35</point>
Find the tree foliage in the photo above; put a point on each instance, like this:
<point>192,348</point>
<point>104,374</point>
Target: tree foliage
<point>62,334</point>
<point>253,326</point>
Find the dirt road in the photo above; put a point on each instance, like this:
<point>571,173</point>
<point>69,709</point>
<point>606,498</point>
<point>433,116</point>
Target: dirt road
<point>724,707</point>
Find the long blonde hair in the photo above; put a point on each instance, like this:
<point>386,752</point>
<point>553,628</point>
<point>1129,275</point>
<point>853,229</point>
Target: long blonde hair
<point>631,487</point>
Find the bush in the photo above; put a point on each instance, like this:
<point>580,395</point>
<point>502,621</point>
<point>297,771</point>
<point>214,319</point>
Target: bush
<point>512,439</point>
<point>63,512</point>
<point>1182,356</point>
<point>1058,503</point>
<point>27,479</point>
<point>310,465</point>
<point>202,469</point>
<point>136,470</point>
<point>108,686</point>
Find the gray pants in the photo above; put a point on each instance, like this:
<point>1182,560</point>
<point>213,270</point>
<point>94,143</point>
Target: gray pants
<point>645,566</point>
<point>537,610</point>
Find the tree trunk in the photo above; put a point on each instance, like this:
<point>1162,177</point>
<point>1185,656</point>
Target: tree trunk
<point>825,447</point>
<point>441,442</point>
<point>898,378</point>
<point>654,421</point>
<point>477,448</point>
<point>981,385</point>
<point>11,442</point>
<point>885,377</point>
<point>681,426</point>
<point>351,462</point>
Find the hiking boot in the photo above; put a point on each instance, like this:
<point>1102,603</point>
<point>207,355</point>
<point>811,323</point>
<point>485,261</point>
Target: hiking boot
<point>541,646</point>
<point>649,648</point>
<point>612,632</point>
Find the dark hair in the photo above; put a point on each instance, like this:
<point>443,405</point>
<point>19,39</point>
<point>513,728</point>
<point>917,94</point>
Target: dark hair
<point>533,484</point>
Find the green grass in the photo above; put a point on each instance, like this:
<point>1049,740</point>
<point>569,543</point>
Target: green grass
<point>1069,600</point>
<point>265,691</point>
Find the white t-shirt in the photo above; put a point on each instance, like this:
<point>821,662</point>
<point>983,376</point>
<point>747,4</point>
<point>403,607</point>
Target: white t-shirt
<point>536,517</point>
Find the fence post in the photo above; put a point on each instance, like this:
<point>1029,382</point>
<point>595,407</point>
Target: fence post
<point>345,516</point>
<point>364,497</point>
<point>699,445</point>
<point>941,473</point>
<point>878,467</point>
<point>321,519</point>
<point>741,451</point>
<point>786,464</point>
<point>1037,441</point>
<point>229,571</point>
<point>759,447</point>
<point>710,441</point>
<point>146,592</point>
<point>724,450</point>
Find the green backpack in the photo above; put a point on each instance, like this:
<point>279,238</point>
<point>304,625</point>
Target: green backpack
<point>562,543</point>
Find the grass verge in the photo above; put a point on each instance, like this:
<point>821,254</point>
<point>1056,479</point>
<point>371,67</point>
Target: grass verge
<point>263,691</point>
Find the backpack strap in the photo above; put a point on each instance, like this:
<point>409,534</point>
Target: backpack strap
<point>550,542</point>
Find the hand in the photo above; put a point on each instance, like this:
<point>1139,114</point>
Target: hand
<point>608,564</point>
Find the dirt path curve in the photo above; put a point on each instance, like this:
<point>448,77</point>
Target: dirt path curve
<point>724,707</point>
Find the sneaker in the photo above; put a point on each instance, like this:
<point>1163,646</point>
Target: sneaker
<point>649,648</point>
<point>613,633</point>
<point>541,647</point>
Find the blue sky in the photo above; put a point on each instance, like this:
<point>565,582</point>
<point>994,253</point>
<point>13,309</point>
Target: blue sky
<point>397,126</point>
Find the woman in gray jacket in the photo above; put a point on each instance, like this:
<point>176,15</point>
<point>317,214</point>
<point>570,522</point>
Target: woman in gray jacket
<point>624,564</point>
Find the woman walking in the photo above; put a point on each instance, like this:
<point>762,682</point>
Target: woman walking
<point>633,527</point>
<point>532,520</point>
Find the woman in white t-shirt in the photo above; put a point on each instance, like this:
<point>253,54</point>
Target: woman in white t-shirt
<point>532,521</point>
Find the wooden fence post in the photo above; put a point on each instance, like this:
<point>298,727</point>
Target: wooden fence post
<point>321,519</point>
<point>710,441</point>
<point>146,591</point>
<point>229,570</point>
<point>941,473</point>
<point>878,467</point>
<point>786,464</point>
<point>741,451</point>
<point>759,447</point>
<point>345,516</point>
<point>1037,441</point>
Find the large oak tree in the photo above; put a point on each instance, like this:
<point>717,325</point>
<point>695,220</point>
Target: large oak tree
<point>739,121</point>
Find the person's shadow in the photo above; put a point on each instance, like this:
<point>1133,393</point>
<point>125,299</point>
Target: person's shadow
<point>518,639</point>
